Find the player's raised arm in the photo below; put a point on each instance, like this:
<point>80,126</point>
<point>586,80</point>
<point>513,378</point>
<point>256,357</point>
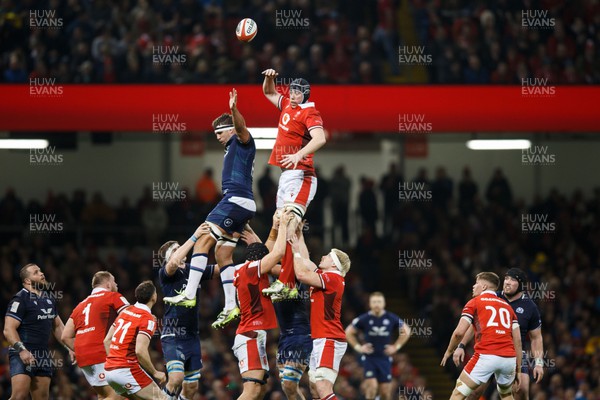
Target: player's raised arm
<point>238,120</point>
<point>303,267</point>
<point>269,87</point>
<point>275,255</point>
<point>173,260</point>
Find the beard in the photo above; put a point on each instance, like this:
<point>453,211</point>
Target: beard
<point>41,285</point>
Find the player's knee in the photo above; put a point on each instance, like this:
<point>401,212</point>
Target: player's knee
<point>190,388</point>
<point>20,395</point>
<point>462,388</point>
<point>175,379</point>
<point>504,390</point>
<point>289,387</point>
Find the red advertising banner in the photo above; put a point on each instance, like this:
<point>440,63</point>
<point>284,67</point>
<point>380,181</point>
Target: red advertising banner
<point>416,109</point>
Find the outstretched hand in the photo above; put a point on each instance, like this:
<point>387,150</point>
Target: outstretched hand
<point>270,73</point>
<point>233,99</point>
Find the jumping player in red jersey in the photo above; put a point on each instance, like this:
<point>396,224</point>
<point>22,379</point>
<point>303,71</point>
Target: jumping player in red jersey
<point>329,337</point>
<point>88,325</point>
<point>300,133</point>
<point>258,314</point>
<point>497,340</point>
<point>128,363</point>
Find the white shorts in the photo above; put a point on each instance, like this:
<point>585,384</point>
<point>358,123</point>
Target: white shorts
<point>128,380</point>
<point>95,374</point>
<point>481,367</point>
<point>296,186</point>
<point>251,352</point>
<point>327,355</point>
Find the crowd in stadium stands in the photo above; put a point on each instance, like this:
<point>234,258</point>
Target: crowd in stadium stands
<point>334,42</point>
<point>462,229</point>
<point>503,42</point>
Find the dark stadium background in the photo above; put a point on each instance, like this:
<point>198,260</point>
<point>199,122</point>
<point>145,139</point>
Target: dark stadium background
<point>104,193</point>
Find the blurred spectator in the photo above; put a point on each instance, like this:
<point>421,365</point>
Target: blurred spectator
<point>390,187</point>
<point>154,221</point>
<point>206,189</point>
<point>367,203</point>
<point>267,190</point>
<point>498,190</point>
<point>339,187</point>
<point>467,192</point>
<point>315,215</point>
<point>441,189</point>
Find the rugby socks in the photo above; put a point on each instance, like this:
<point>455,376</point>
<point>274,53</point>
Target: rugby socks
<point>287,275</point>
<point>197,267</point>
<point>170,396</point>
<point>227,273</point>
<point>332,396</point>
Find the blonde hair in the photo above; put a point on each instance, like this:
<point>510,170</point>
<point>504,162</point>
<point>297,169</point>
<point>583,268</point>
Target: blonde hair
<point>344,261</point>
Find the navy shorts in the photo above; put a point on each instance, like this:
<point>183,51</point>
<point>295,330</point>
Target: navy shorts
<point>294,348</point>
<point>43,363</point>
<point>229,216</point>
<point>379,368</point>
<point>183,348</point>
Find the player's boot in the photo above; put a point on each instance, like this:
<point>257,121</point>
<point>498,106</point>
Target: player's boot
<point>225,317</point>
<point>289,294</point>
<point>276,287</point>
<point>180,300</point>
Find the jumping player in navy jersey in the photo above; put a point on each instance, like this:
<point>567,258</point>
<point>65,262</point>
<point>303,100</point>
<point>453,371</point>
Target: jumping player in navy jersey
<point>378,326</point>
<point>530,322</point>
<point>30,319</point>
<point>179,333</point>
<point>293,316</point>
<point>228,218</point>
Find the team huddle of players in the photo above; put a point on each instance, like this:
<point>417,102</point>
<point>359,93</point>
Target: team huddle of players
<point>270,289</point>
